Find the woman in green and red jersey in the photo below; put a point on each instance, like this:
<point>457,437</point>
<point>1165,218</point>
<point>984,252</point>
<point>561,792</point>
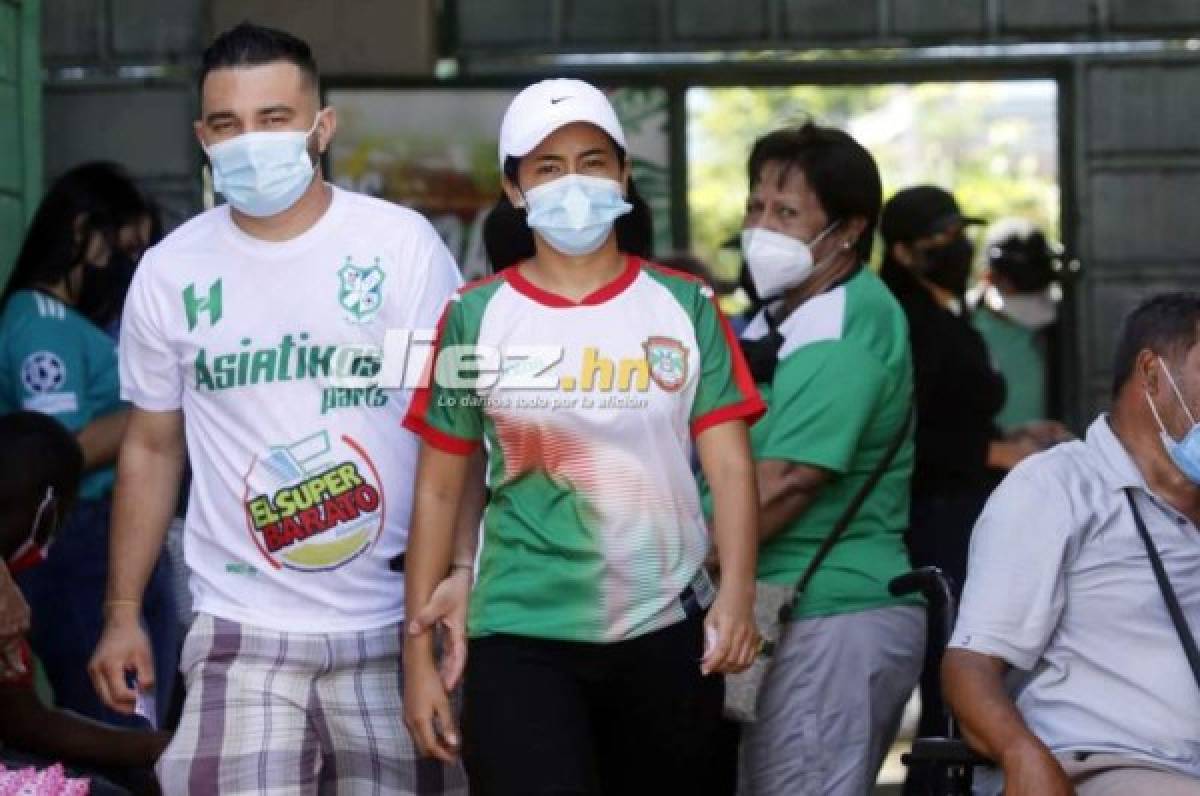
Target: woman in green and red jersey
<point>596,636</point>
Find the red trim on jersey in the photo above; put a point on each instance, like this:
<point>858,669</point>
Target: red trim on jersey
<point>675,272</point>
<point>419,405</point>
<point>415,420</point>
<point>440,439</point>
<point>751,407</point>
<point>613,289</point>
<point>749,410</point>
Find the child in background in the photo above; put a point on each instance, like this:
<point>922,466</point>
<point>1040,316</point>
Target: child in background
<point>42,464</point>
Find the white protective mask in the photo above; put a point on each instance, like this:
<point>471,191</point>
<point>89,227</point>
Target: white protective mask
<point>779,262</point>
<point>1033,311</point>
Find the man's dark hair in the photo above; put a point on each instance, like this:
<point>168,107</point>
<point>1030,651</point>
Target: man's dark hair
<point>1166,324</point>
<point>837,168</point>
<point>253,45</point>
<point>36,451</point>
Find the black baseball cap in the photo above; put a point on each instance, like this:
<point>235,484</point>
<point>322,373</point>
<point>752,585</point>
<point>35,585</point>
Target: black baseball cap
<point>920,212</point>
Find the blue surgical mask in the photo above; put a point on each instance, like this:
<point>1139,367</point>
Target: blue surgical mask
<point>575,214</point>
<point>263,173</point>
<point>1185,452</point>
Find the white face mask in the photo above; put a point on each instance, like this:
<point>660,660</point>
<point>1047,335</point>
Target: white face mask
<point>779,262</point>
<point>1034,311</point>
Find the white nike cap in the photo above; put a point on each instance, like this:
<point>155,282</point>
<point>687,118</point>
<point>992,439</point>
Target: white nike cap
<point>544,107</point>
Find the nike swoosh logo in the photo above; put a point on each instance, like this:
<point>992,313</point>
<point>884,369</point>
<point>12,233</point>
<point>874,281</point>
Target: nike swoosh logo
<point>560,99</point>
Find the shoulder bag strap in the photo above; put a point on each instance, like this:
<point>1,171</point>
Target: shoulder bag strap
<point>1168,593</point>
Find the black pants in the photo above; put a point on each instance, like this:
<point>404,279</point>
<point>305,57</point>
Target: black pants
<point>566,718</point>
<point>940,535</point>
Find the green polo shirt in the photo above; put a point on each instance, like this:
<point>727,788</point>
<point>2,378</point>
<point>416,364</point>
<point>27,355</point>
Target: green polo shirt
<point>840,395</point>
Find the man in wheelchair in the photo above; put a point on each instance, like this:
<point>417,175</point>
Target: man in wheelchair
<point>1073,665</point>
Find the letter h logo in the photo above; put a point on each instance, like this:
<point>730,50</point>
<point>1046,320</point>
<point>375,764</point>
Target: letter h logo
<point>210,304</point>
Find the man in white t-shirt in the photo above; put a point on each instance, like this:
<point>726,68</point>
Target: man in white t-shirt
<point>236,331</point>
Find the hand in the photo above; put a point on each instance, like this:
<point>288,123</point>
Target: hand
<point>1005,454</point>
<point>14,611</point>
<point>427,711</point>
<point>447,609</point>
<point>1032,771</point>
<point>731,636</point>
<point>124,647</point>
<point>1045,433</point>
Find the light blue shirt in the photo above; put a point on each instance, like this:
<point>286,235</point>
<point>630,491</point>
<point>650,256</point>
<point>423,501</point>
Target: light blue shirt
<point>1059,585</point>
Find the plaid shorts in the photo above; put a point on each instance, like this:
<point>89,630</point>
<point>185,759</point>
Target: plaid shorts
<point>295,713</point>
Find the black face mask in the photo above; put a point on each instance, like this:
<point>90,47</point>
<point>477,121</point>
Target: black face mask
<point>103,289</point>
<point>762,355</point>
<point>949,265</point>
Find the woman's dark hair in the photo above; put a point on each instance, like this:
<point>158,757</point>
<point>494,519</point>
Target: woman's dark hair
<point>102,294</point>
<point>508,240</point>
<point>53,244</point>
<point>101,198</point>
<point>1167,324</point>
<point>841,173</point>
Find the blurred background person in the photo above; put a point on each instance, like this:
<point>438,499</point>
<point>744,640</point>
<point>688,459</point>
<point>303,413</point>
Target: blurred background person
<point>56,360</point>
<point>1014,306</point>
<point>137,225</point>
<point>43,467</point>
<point>830,354</point>
<point>960,451</point>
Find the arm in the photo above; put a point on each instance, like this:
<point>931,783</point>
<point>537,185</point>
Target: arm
<point>441,479</point>
<point>974,687</point>
<point>1007,453</point>
<point>101,439</point>
<point>724,452</point>
<point>14,611</point>
<point>785,491</point>
<point>470,512</point>
<point>447,607</point>
<point>32,727</point>
<point>152,459</point>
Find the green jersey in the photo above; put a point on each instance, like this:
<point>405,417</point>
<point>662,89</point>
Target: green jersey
<point>54,360</point>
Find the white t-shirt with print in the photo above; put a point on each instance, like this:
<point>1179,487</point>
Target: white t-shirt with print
<point>301,489</point>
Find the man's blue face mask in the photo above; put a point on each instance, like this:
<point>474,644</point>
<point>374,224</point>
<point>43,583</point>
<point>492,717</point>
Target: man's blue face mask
<point>1185,453</point>
<point>263,173</point>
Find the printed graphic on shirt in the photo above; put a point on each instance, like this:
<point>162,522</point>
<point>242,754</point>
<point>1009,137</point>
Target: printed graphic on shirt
<point>294,358</point>
<point>361,291</point>
<point>668,361</point>
<point>42,372</point>
<point>315,504</point>
<point>210,304</point>
<point>43,376</point>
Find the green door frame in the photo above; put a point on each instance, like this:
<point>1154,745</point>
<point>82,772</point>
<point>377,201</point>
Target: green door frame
<point>23,28</point>
<point>31,103</point>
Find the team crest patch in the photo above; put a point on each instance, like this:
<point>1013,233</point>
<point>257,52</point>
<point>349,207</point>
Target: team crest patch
<point>360,291</point>
<point>668,361</point>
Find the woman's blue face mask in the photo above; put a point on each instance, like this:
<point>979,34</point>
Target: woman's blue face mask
<point>575,213</point>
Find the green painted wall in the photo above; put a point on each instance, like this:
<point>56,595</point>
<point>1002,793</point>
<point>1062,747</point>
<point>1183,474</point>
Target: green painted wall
<point>20,124</point>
